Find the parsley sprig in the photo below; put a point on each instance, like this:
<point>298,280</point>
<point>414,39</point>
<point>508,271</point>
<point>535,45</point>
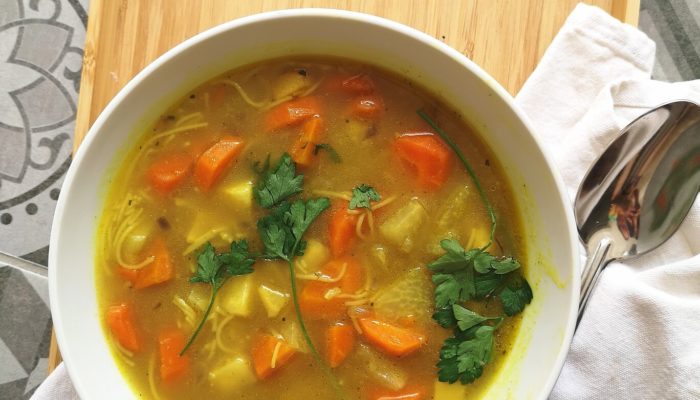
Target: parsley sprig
<point>475,274</point>
<point>362,196</point>
<point>214,269</point>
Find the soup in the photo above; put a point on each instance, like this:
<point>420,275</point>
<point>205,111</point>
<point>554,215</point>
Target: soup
<point>296,229</point>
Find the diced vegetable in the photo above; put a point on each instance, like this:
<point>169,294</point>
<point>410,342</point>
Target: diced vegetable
<point>367,107</point>
<point>159,270</point>
<point>120,321</point>
<point>409,393</point>
<point>304,149</point>
<point>357,130</point>
<point>292,113</point>
<point>379,255</point>
<point>315,255</point>
<point>273,300</point>
<point>391,339</point>
<point>351,84</point>
<point>454,209</point>
<point>382,370</point>
<point>411,295</point>
<point>291,332</point>
<point>314,299</point>
<point>289,84</point>
<point>240,196</point>
<point>136,241</point>
<point>341,230</point>
<point>169,171</point>
<point>173,366</point>
<point>402,226</point>
<point>217,95</point>
<point>233,375</point>
<point>236,296</point>
<point>199,297</point>
<point>340,340</point>
<point>215,160</point>
<point>427,156</point>
<point>210,226</point>
<point>270,354</point>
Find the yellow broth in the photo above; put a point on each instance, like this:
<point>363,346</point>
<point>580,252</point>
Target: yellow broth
<point>217,108</point>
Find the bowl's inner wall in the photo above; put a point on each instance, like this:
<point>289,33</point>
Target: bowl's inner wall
<point>546,326</point>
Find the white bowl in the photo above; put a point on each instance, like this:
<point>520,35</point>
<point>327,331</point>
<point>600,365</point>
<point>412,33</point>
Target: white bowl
<point>548,322</point>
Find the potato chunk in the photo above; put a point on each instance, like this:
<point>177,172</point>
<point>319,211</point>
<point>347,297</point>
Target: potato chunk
<point>232,375</point>
<point>273,300</point>
<point>290,83</point>
<point>236,296</point>
<point>401,227</point>
<point>240,196</point>
<point>315,255</point>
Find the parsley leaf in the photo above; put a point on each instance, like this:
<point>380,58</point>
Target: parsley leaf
<point>467,318</point>
<point>209,270</point>
<point>238,261</point>
<point>445,317</point>
<point>362,195</point>
<point>335,157</point>
<point>279,184</point>
<point>454,259</point>
<point>282,230</point>
<point>453,287</point>
<point>463,356</point>
<point>486,284</point>
<point>515,297</point>
<point>208,267</point>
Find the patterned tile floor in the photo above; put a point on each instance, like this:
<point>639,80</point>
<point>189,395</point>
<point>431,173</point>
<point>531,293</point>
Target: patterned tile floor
<point>41,45</point>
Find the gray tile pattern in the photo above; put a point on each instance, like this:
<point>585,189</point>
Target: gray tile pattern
<point>40,54</point>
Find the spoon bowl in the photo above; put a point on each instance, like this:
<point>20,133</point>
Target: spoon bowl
<point>637,193</point>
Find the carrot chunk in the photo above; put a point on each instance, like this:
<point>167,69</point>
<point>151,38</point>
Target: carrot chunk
<point>292,112</point>
<point>159,270</point>
<point>270,354</point>
<point>213,162</point>
<point>316,300</point>
<point>169,171</point>
<point>305,146</point>
<point>341,230</point>
<point>427,156</point>
<point>407,393</point>
<point>173,366</point>
<point>367,107</point>
<point>351,84</point>
<point>389,338</point>
<point>120,321</point>
<point>340,339</point>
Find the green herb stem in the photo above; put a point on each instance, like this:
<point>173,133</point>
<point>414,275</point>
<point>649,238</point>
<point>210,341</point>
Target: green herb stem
<point>204,319</point>
<point>470,170</point>
<point>317,357</point>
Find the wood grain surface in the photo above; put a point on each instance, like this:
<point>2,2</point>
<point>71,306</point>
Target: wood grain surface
<point>505,37</point>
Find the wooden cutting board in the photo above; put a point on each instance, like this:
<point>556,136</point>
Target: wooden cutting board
<point>505,37</point>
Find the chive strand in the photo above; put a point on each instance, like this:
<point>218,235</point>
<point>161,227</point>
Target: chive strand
<point>470,170</point>
<point>214,289</point>
<point>317,357</point>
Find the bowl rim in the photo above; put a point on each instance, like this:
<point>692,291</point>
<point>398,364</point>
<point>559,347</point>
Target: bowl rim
<point>413,33</point>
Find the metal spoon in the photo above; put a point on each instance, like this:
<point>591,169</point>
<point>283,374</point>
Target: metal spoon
<point>637,193</point>
<point>22,264</point>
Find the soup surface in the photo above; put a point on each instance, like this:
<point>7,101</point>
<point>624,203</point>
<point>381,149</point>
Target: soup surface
<point>322,168</point>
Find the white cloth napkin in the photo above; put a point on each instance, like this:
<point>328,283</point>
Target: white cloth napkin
<point>640,337</point>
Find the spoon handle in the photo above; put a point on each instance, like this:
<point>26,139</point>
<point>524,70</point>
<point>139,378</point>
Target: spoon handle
<point>597,260</point>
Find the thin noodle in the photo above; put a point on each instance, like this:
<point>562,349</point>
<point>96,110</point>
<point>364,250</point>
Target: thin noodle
<point>275,353</point>
<point>358,227</point>
<point>202,239</point>
<point>244,95</point>
<point>353,318</point>
<point>188,117</point>
<point>370,222</point>
<point>324,278</point>
<point>151,380</point>
<point>338,195</point>
<point>217,335</point>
